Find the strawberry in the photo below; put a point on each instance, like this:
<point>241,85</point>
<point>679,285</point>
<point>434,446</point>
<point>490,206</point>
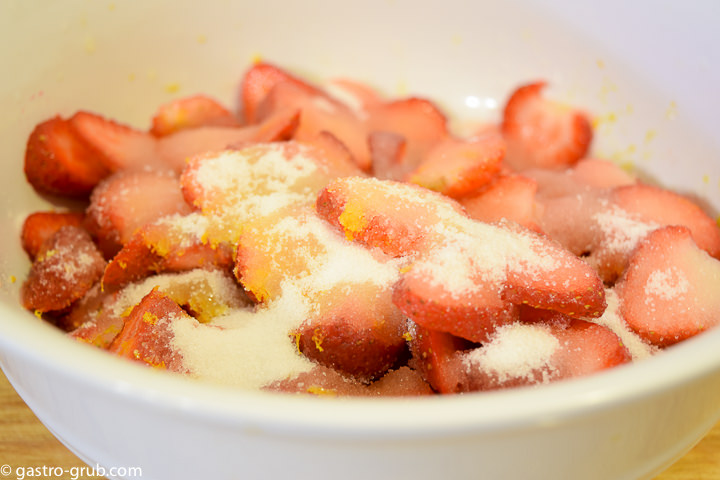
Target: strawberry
<point>334,155</point>
<point>669,291</point>
<point>543,133</point>
<point>540,352</point>
<point>39,226</point>
<point>459,167</point>
<point>258,81</point>
<point>387,152</point>
<point>395,217</point>
<point>663,207</point>
<point>419,121</point>
<point>93,319</point>
<point>401,382</point>
<point>435,355</point>
<point>598,173</point>
<point>146,336</point>
<point>58,161</point>
<point>118,146</point>
<point>126,201</point>
<point>508,197</point>
<point>319,112</point>
<point>177,148</point>
<point>359,336</point>
<point>191,112</point>
<point>66,267</point>
<point>171,244</point>
<point>361,97</point>
<point>320,381</point>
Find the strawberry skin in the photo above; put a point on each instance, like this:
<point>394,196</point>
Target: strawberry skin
<point>58,161</point>
<point>507,197</point>
<point>669,291</point>
<point>542,133</point>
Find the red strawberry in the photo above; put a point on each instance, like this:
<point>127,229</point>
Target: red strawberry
<point>58,160</point>
<point>359,96</point>
<point>147,335</point>
<point>119,147</point>
<point>191,112</point>
<point>656,205</point>
<point>66,267</point>
<point>508,197</point>
<point>171,244</point>
<point>359,335</point>
<point>543,133</point>
<point>396,217</point>
<point>176,149</point>
<point>435,355</point>
<point>387,152</point>
<point>93,319</point>
<point>334,155</point>
<point>541,352</point>
<point>402,382</point>
<point>598,173</point>
<point>126,201</point>
<point>459,167</point>
<point>669,291</point>
<point>420,122</point>
<point>258,81</point>
<point>39,226</point>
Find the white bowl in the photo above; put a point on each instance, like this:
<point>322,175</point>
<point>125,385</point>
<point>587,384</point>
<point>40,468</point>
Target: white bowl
<point>647,69</point>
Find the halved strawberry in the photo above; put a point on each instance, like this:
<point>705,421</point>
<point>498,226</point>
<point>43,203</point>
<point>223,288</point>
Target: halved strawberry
<point>360,97</point>
<point>359,335</point>
<point>387,152</point>
<point>126,201</point>
<point>59,161</point>
<point>669,291</point>
<point>541,352</point>
<point>119,147</point>
<point>173,243</point>
<point>664,207</point>
<point>191,112</point>
<point>401,382</point>
<point>457,167</point>
<point>419,121</point>
<point>333,154</point>
<point>66,267</point>
<point>258,81</point>
<point>396,217</point>
<point>435,355</point>
<point>543,133</point>
<point>177,148</point>
<point>599,173</point>
<point>93,319</point>
<point>147,335</point>
<point>39,226</point>
<point>508,197</point>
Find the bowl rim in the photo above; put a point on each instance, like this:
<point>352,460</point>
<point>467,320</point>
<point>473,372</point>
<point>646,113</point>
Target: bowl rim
<point>288,414</point>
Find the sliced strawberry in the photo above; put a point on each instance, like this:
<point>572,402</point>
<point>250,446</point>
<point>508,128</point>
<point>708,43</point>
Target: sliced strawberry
<point>508,197</point>
<point>147,335</point>
<point>387,152</point>
<point>191,112</point>
<point>669,291</point>
<point>543,133</point>
<point>66,267</point>
<point>402,382</point>
<point>359,335</point>
<point>540,352</point>
<point>177,148</point>
<point>126,201</point>
<point>332,153</point>
<point>58,161</point>
<point>119,147</point>
<point>396,217</point>
<point>93,319</point>
<point>361,97</point>
<point>435,356</point>
<point>258,81</point>
<point>175,243</point>
<point>39,226</point>
<point>457,167</point>
<point>598,173</point>
<point>319,112</point>
<point>664,207</point>
<point>419,121</point>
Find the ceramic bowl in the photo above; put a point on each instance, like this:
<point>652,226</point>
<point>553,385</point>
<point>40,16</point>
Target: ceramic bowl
<point>645,69</point>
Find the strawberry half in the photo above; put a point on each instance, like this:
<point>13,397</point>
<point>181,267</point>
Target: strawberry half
<point>669,291</point>
<point>60,162</point>
<point>38,227</point>
<point>66,267</point>
<point>191,112</point>
<point>541,132</point>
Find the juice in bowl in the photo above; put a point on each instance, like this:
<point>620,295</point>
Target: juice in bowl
<point>331,217</point>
